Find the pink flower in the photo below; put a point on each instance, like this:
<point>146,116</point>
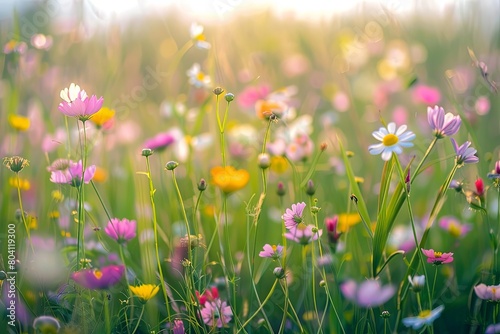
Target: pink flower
<point>303,234</point>
<point>332,224</point>
<point>77,104</point>
<point>479,187</point>
<point>178,326</point>
<point>300,148</point>
<point>99,279</point>
<point>250,95</point>
<point>273,251</point>
<point>453,226</point>
<point>209,295</point>
<point>482,105</point>
<point>293,216</point>
<point>160,141</point>
<point>370,293</point>
<point>443,125</point>
<point>121,230</point>
<point>216,313</point>
<point>488,292</point>
<point>426,94</point>
<point>72,175</point>
<point>437,258</point>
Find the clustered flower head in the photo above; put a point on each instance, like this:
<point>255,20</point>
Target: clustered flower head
<point>77,104</point>
<point>121,230</point>
<point>392,140</point>
<point>15,163</point>
<point>292,217</point>
<point>443,125</point>
<point>437,258</point>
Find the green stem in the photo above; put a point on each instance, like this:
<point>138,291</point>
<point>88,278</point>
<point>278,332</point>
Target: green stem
<point>23,217</point>
<point>106,312</point>
<point>139,319</point>
<point>260,307</point>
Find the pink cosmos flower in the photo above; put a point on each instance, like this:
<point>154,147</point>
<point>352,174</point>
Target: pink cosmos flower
<point>426,94</point>
<point>454,227</point>
<point>443,125</point>
<point>370,293</point>
<point>121,230</point>
<point>274,252</point>
<point>488,292</point>
<point>216,313</point>
<point>293,216</point>
<point>437,258</point>
<point>72,175</point>
<point>160,141</point>
<point>99,279</point>
<point>303,234</point>
<point>77,104</point>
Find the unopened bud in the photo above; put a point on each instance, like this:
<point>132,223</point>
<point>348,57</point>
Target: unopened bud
<point>146,152</point>
<point>218,90</point>
<point>171,165</point>
<point>323,146</point>
<point>279,272</point>
<point>322,283</point>
<point>264,160</point>
<point>202,185</point>
<point>385,314</point>
<point>229,97</point>
<point>281,189</point>
<point>310,188</point>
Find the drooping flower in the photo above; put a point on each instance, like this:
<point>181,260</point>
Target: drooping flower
<point>392,140</point>
<point>72,175</point>
<point>437,258</point>
<point>216,313</point>
<point>19,123</point>
<point>464,153</point>
<point>99,279</point>
<point>454,227</point>
<point>121,230</point>
<point>292,217</point>
<point>160,141</point>
<point>197,78</point>
<point>417,282</point>
<point>196,32</point>
<point>425,318</point>
<point>229,179</point>
<point>488,292</point>
<point>303,234</point>
<point>274,252</point>
<point>145,291</point>
<point>370,293</point>
<point>77,104</point>
<point>443,125</point>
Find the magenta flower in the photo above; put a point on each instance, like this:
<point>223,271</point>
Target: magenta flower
<point>99,279</point>
<point>303,234</point>
<point>495,173</point>
<point>492,329</point>
<point>437,258</point>
<point>274,252</point>
<point>454,227</point>
<point>332,225</point>
<point>77,104</point>
<point>160,141</point>
<point>293,216</point>
<point>370,293</point>
<point>178,327</point>
<point>72,174</point>
<point>488,292</point>
<point>426,94</point>
<point>216,313</point>
<point>443,125</point>
<point>121,230</point>
<point>465,154</point>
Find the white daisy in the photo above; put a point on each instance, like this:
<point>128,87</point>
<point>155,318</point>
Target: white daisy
<point>425,318</point>
<point>392,140</point>
<point>197,78</point>
<point>198,37</point>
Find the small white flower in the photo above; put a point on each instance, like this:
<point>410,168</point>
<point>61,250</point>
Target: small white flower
<point>198,37</point>
<point>197,78</point>
<point>70,94</point>
<point>425,318</point>
<point>392,140</point>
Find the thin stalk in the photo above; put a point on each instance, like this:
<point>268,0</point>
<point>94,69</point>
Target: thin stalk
<point>106,312</point>
<point>23,217</point>
<point>139,320</point>
<point>260,307</point>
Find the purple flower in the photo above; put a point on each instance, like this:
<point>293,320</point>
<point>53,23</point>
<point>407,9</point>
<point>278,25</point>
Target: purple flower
<point>216,313</point>
<point>77,104</point>
<point>72,175</point>
<point>465,154</point>
<point>370,293</point>
<point>303,234</point>
<point>443,125</point>
<point>495,173</point>
<point>274,252</point>
<point>178,326</point>
<point>160,141</point>
<point>121,230</point>
<point>293,216</point>
<point>99,279</point>
<point>488,292</point>
<point>492,329</point>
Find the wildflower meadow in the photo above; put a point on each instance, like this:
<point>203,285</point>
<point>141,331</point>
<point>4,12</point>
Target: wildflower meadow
<point>255,172</point>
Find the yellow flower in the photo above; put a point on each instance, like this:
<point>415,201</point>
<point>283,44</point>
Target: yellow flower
<point>24,184</point>
<point>264,108</point>
<point>57,196</point>
<point>346,220</point>
<point>145,292</point>
<point>279,164</point>
<point>19,123</point>
<point>100,174</point>
<point>229,179</point>
<point>102,116</point>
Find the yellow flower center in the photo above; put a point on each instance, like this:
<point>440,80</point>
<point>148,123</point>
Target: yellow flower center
<point>390,139</point>
<point>454,230</point>
<point>438,254</point>
<point>97,274</point>
<point>424,314</point>
<point>200,76</point>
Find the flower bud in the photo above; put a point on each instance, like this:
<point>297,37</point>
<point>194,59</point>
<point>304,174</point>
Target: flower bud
<point>264,160</point>
<point>171,165</point>
<point>218,90</point>
<point>281,189</point>
<point>323,146</point>
<point>146,152</point>
<point>229,97</point>
<point>202,185</point>
<point>385,314</point>
<point>279,272</point>
<point>310,188</point>
<point>3,275</point>
<point>322,283</point>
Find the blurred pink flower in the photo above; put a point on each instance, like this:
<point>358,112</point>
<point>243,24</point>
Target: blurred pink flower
<point>370,293</point>
<point>121,230</point>
<point>437,258</point>
<point>98,279</point>
<point>72,175</point>
<point>160,141</point>
<point>250,95</point>
<point>300,148</point>
<point>292,217</point>
<point>426,95</point>
<point>77,104</point>
<point>454,227</point>
<point>51,141</point>
<point>216,313</point>
<point>341,102</point>
<point>303,234</point>
<point>482,105</point>
<point>488,292</point>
